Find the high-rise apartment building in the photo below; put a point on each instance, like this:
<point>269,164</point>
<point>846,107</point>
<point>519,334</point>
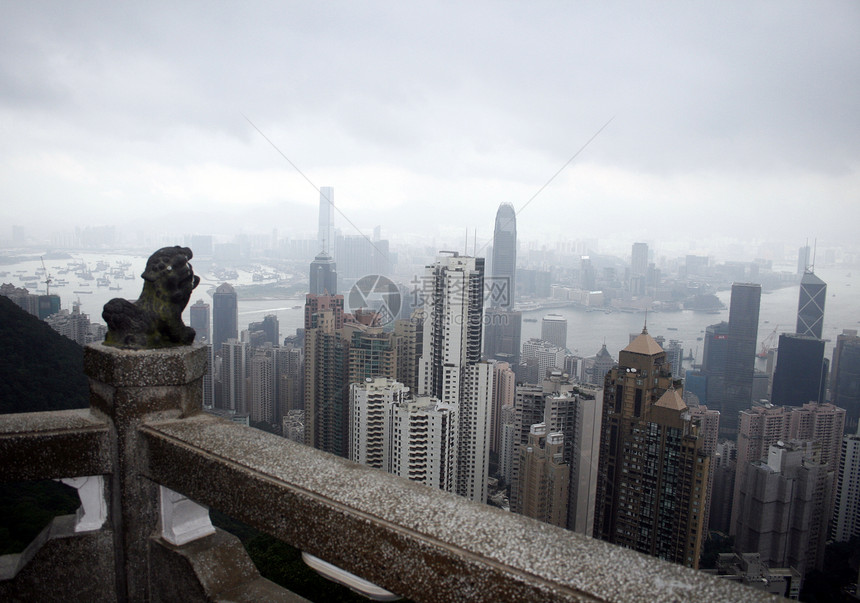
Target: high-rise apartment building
<point>415,439</point>
<point>547,355</point>
<point>572,410</point>
<point>845,377</point>
<point>323,275</point>
<point>450,368</point>
<point>504,393</point>
<point>761,426</point>
<point>453,294</point>
<point>783,507</point>
<point>225,316</point>
<point>408,341</point>
<point>723,467</point>
<point>263,402</point>
<point>371,400</point>
<point>265,331</point>
<point>740,355</point>
<point>234,378</point>
<point>326,375</point>
<point>653,471</point>
<point>822,424</point>
<point>424,442</point>
<point>542,488</point>
<point>810,305</point>
<point>325,233</point>
<point>504,261</point>
<point>553,329</point>
<point>199,320</point>
<point>846,519</point>
<point>291,377</point>
<point>765,425</point>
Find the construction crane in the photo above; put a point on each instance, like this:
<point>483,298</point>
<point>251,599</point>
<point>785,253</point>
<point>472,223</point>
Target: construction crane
<point>47,280</point>
<point>767,343</point>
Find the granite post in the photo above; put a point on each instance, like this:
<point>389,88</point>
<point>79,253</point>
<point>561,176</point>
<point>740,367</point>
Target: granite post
<point>131,388</point>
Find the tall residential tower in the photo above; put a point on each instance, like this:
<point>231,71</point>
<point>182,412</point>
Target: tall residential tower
<point>653,470</point>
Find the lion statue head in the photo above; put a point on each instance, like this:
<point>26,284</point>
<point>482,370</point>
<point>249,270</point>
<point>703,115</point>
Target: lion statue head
<point>155,319</point>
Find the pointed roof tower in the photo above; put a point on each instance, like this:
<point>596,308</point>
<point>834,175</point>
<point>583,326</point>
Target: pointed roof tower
<point>644,344</point>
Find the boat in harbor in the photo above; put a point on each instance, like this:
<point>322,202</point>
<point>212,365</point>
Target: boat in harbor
<point>82,292</point>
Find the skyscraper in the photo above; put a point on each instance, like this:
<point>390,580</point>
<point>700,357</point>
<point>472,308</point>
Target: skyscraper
<point>502,335</point>
<point>323,275</point>
<point>225,316</point>
<point>639,259</point>
<point>801,370</point>
<point>325,234</point>
<point>803,259</point>
<point>553,328</point>
<point>504,262</point>
<point>810,305</point>
<point>653,471</point>
<point>740,355</point>
<point>199,319</point>
<point>845,377</point>
<point>638,268</point>
<point>450,369</point>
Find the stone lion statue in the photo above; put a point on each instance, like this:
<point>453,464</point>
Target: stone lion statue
<point>155,319</point>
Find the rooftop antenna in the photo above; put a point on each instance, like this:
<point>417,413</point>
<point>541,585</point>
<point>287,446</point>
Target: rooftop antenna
<point>645,326</point>
<point>814,247</point>
<point>466,243</point>
<point>475,244</point>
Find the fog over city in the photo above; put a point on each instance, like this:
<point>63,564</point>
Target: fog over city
<point>711,123</point>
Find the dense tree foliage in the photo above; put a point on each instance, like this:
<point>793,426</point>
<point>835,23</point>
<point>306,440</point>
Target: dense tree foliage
<point>841,562</point>
<point>40,369</point>
<point>27,507</point>
<point>283,565</point>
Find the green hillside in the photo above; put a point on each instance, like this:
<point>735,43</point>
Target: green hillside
<point>39,368</point>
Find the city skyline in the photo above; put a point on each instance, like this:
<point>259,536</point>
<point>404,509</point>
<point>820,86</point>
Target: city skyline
<point>413,112</point>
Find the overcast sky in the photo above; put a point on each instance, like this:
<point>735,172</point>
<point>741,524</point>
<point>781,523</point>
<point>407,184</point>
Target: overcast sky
<point>728,119</point>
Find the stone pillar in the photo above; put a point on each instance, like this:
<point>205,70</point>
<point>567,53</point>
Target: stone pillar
<point>131,388</point>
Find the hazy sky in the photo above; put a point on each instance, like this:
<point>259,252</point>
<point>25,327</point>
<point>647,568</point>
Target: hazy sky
<point>729,119</point>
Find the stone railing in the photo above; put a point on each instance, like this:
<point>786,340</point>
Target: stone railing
<point>147,463</point>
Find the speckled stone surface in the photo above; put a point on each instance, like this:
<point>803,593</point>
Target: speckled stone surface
<point>62,565</point>
<point>48,445</point>
<point>144,368</point>
<point>414,540</point>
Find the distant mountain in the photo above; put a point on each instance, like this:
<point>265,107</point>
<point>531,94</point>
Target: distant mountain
<point>39,368</point>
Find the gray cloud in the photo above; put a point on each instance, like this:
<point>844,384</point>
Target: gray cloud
<point>443,95</point>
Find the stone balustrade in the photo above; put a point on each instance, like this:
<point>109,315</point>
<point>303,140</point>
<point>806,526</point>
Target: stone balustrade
<point>148,463</point>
